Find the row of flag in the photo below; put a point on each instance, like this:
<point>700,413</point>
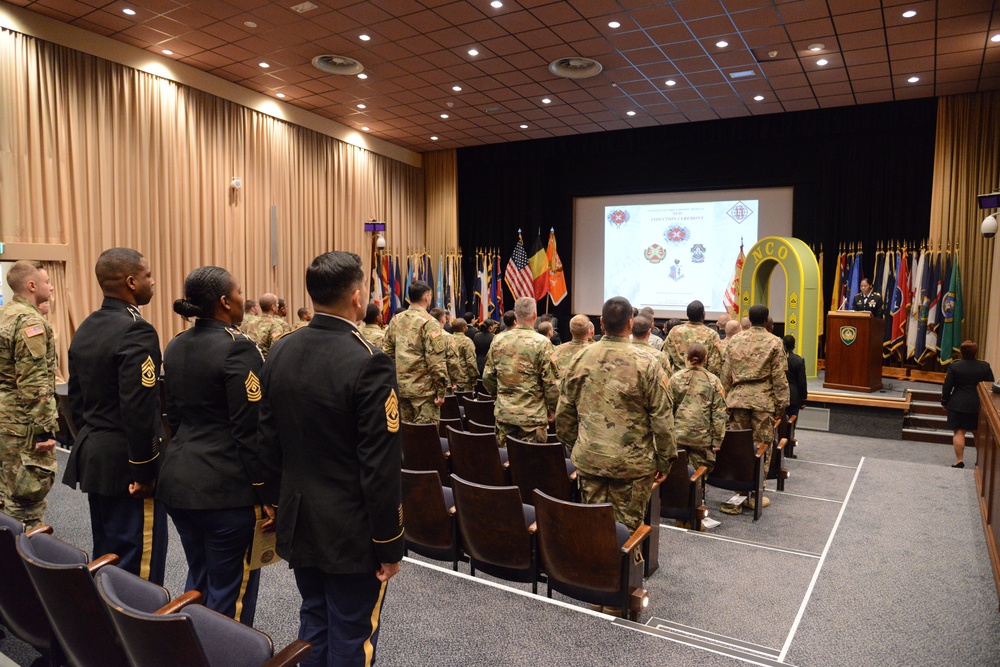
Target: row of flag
<point>539,274</point>
<point>390,285</point>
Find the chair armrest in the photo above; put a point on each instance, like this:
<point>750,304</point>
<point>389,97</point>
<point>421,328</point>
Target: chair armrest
<point>761,449</point>
<point>641,533</point>
<point>572,476</point>
<point>655,486</point>
<point>533,528</point>
<point>782,443</point>
<point>43,529</point>
<point>105,560</point>
<point>699,473</point>
<point>447,455</point>
<point>175,605</point>
<point>292,654</point>
<point>452,510</point>
<point>505,465</point>
<point>793,419</point>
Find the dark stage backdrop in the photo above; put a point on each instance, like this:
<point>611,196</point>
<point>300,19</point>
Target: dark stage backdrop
<point>860,173</point>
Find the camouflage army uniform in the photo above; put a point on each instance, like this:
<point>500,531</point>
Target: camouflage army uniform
<point>564,353</point>
<point>373,333</point>
<point>520,373</point>
<point>699,414</point>
<point>416,342</point>
<point>467,370</point>
<point>616,416</point>
<point>265,330</point>
<point>655,342</point>
<point>249,320</point>
<point>27,410</point>
<point>753,376</point>
<point>683,335</point>
<point>646,349</point>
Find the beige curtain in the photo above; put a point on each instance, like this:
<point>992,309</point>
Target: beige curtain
<point>95,154</point>
<point>441,177</point>
<point>967,163</point>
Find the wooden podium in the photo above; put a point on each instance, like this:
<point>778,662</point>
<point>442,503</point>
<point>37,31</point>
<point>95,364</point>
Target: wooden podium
<point>854,351</point>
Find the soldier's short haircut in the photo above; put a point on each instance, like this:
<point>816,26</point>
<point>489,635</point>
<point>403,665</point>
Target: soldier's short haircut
<point>249,304</point>
<point>268,303</point>
<point>467,316</point>
<point>732,328</point>
<point>758,315</point>
<point>546,317</point>
<point>696,311</point>
<point>438,313</point>
<point>417,290</point>
<point>525,308</point>
<point>372,313</point>
<point>333,276</point>
<point>723,320</point>
<point>115,265</point>
<point>508,319</point>
<point>769,324</point>
<point>635,312</point>
<point>616,313</point>
<point>579,326</point>
<point>745,323</point>
<point>203,288</point>
<point>647,311</point>
<point>696,353</point>
<point>671,323</point>
<point>459,325</point>
<point>281,303</point>
<point>789,342</point>
<point>545,328</point>
<point>19,274</point>
<point>969,349</point>
<point>641,326</point>
<point>302,312</point>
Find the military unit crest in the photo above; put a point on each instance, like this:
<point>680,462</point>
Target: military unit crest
<point>655,253</point>
<point>848,335</point>
<point>618,217</point>
<point>698,253</point>
<point>677,234</point>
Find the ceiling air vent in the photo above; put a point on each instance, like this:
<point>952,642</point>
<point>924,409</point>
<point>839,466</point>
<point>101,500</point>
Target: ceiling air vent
<point>575,67</point>
<point>337,65</point>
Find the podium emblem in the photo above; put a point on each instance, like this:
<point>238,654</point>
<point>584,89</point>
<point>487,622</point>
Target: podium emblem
<point>848,335</point>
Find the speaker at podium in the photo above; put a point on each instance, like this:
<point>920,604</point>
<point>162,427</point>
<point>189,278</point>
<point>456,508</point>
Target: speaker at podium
<point>854,351</point>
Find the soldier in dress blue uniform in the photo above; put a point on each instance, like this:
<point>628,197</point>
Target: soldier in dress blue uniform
<point>211,480</point>
<point>114,366</point>
<point>868,300</point>
<point>329,436</point>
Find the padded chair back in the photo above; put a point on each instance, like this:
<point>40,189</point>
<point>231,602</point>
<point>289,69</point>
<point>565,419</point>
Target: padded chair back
<point>538,466</point>
<point>430,530</point>
<point>675,489</point>
<point>578,544</point>
<point>475,457</point>
<point>479,411</point>
<point>67,592</point>
<point>476,427</point>
<point>465,394</point>
<point>443,425</point>
<point>449,410</point>
<point>422,449</point>
<point>491,522</point>
<point>20,608</point>
<point>734,462</point>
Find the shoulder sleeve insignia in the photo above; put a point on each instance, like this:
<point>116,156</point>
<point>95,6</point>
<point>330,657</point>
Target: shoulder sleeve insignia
<point>392,412</point>
<point>435,333</point>
<point>36,330</point>
<point>253,387</point>
<point>148,373</point>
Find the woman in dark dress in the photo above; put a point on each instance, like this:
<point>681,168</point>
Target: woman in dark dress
<point>211,477</point>
<point>482,341</point>
<point>959,395</point>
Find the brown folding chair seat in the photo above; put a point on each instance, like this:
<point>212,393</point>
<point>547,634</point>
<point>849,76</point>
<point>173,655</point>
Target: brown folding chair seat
<point>429,517</point>
<point>425,449</point>
<point>739,466</point>
<point>479,411</point>
<point>541,466</point>
<point>20,608</point>
<point>682,494</point>
<point>475,457</point>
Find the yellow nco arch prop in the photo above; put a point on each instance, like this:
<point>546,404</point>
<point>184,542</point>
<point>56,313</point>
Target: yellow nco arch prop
<point>802,290</point>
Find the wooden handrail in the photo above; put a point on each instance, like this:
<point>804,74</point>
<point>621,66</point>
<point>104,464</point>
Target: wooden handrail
<point>641,533</point>
<point>181,601</point>
<point>292,654</point>
<point>105,560</point>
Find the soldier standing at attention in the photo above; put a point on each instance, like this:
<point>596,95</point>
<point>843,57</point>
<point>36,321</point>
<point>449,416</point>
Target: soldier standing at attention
<point>268,326</point>
<point>581,329</point>
<point>416,342</point>
<point>114,367</point>
<point>450,351</point>
<point>27,396</point>
<point>753,376</point>
<point>520,374</point>
<point>699,409</point>
<point>468,371</point>
<point>372,328</point>
<point>250,315</point>
<point>616,417</point>
<point>693,331</point>
<point>305,315</point>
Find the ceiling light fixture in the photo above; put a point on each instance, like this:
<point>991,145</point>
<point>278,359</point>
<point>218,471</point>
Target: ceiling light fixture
<point>629,113</point>
<point>822,61</point>
<point>614,24</point>
<point>362,106</point>
<point>364,127</point>
<point>722,44</point>
<point>434,138</point>
<point>457,89</point>
<point>523,126</point>
<point>281,95</point>
<point>496,4</point>
<point>913,79</point>
<point>817,47</point>
<point>995,38</point>
<point>130,12</point>
<point>265,65</point>
<point>671,82</point>
<point>909,14</point>
<point>473,52</point>
<point>168,52</point>
<point>364,38</point>
<point>362,76</point>
<point>444,115</point>
<point>546,100</point>
<point>758,98</point>
<point>250,24</point>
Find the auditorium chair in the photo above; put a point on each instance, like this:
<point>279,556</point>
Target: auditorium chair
<point>443,425</point>
<point>20,608</point>
<point>449,409</point>
<point>184,633</point>
<point>429,517</point>
<point>682,494</point>
<point>586,555</point>
<point>497,531</point>
<point>739,466</point>
<point>475,457</point>
<point>786,431</point>
<point>777,470</point>
<point>479,411</point>
<point>476,427</point>
<point>541,466</point>
<point>424,449</point>
<point>651,547</point>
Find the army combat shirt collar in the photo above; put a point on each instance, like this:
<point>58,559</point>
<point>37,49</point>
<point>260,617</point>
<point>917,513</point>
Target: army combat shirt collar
<point>616,339</point>
<point>117,304</point>
<point>320,317</point>
<point>21,299</point>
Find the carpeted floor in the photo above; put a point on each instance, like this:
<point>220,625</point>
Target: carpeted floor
<point>906,579</point>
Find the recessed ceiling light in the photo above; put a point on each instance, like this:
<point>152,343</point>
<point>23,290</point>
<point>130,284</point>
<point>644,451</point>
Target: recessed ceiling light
<point>995,38</point>
<point>250,24</point>
<point>758,98</point>
<point>364,38</point>
<point>817,47</point>
<point>496,4</point>
<point>434,138</point>
<point>265,65</point>
<point>671,82</point>
<point>130,12</point>
<point>362,76</point>
<point>629,113</point>
<point>473,52</point>
<point>281,95</point>
<point>168,52</point>
<point>523,126</point>
<point>909,14</point>
<point>614,24</point>
<point>546,100</point>
<point>362,106</point>
<point>444,115</point>
<point>364,127</point>
<point>457,89</point>
<point>822,61</point>
<point>722,44</point>
<point>913,79</point>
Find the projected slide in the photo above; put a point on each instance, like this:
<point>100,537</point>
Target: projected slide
<point>666,255</point>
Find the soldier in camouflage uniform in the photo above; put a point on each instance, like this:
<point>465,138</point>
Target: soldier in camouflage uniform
<point>305,316</point>
<point>699,409</point>
<point>372,328</point>
<point>519,372</point>
<point>580,327</point>
<point>269,326</point>
<point>753,376</point>
<point>27,396</point>
<point>641,328</point>
<point>251,312</point>
<point>732,328</point>
<point>467,371</point>
<point>415,341</point>
<point>616,416</point>
<point>450,351</point>
<point>693,331</point>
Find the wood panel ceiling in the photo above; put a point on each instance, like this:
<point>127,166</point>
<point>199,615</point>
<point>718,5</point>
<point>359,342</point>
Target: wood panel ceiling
<point>418,52</point>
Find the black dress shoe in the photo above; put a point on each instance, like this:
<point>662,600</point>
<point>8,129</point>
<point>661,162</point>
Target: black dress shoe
<point>960,464</point>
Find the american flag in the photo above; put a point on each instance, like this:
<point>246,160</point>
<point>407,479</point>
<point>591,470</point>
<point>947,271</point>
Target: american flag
<point>518,274</point>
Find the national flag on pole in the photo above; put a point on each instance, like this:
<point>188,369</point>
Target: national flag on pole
<point>378,295</point>
<point>846,264</point>
<point>557,279</point>
<point>900,302</point>
<point>927,292</point>
<point>518,276</point>
<point>888,294</point>
<point>481,295</point>
<point>835,293</point>
<point>934,310</point>
<point>539,263</point>
<point>731,299</point>
<point>954,314</point>
<point>409,279</point>
<point>854,279</point>
<point>916,303</point>
<point>397,289</point>
<point>496,288</point>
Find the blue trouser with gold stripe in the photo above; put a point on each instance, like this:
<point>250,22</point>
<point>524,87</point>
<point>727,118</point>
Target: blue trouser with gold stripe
<point>133,529</point>
<point>339,616</point>
<point>215,545</point>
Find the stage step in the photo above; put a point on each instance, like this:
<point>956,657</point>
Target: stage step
<point>938,436</point>
<point>925,421</point>
<point>927,407</point>
<point>925,396</point>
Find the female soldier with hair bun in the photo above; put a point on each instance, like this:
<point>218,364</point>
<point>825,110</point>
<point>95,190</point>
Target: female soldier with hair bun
<point>210,480</point>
